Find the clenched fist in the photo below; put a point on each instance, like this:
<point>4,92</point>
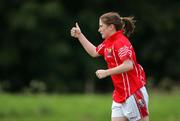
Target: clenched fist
<point>101,73</point>
<point>75,31</point>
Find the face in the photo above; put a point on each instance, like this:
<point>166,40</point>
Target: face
<point>104,29</point>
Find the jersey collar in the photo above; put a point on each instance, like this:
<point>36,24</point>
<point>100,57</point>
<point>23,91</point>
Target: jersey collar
<point>114,36</point>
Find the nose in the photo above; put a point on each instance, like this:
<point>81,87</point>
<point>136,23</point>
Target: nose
<point>99,30</point>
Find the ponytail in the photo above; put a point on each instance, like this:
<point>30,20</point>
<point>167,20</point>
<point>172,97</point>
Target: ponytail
<point>128,25</point>
<point>121,23</point>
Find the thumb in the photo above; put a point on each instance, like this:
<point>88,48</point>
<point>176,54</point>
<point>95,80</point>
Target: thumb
<point>77,26</point>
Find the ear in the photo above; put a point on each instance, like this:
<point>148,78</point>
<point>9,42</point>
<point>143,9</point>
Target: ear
<point>112,27</point>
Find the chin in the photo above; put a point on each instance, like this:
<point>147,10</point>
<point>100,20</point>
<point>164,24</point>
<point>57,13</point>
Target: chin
<point>103,37</point>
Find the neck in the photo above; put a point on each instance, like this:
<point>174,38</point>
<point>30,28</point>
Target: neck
<point>112,32</point>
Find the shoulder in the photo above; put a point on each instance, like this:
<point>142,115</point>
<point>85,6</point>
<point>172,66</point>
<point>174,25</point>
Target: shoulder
<point>120,41</point>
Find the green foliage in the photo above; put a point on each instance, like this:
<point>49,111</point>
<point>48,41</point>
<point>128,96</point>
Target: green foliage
<point>35,41</point>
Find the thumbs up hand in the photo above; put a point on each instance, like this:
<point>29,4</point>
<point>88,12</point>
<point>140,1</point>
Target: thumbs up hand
<point>75,31</point>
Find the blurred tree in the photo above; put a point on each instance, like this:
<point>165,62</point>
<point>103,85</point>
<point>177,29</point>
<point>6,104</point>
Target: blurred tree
<point>36,45</point>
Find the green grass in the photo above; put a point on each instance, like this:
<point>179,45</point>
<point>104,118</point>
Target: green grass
<point>163,107</point>
<point>54,107</point>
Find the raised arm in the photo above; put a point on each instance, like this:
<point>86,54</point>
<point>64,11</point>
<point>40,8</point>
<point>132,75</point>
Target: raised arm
<point>87,45</point>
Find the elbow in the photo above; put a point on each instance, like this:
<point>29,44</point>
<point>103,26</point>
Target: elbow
<point>130,66</point>
<point>94,54</point>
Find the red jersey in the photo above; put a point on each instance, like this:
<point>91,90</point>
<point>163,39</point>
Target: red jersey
<point>116,49</point>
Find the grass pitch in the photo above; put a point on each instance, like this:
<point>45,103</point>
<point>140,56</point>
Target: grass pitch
<point>96,107</point>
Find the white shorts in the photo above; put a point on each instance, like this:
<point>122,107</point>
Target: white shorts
<point>134,108</point>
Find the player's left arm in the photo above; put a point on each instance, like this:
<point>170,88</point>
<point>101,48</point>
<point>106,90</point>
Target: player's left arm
<point>127,65</point>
